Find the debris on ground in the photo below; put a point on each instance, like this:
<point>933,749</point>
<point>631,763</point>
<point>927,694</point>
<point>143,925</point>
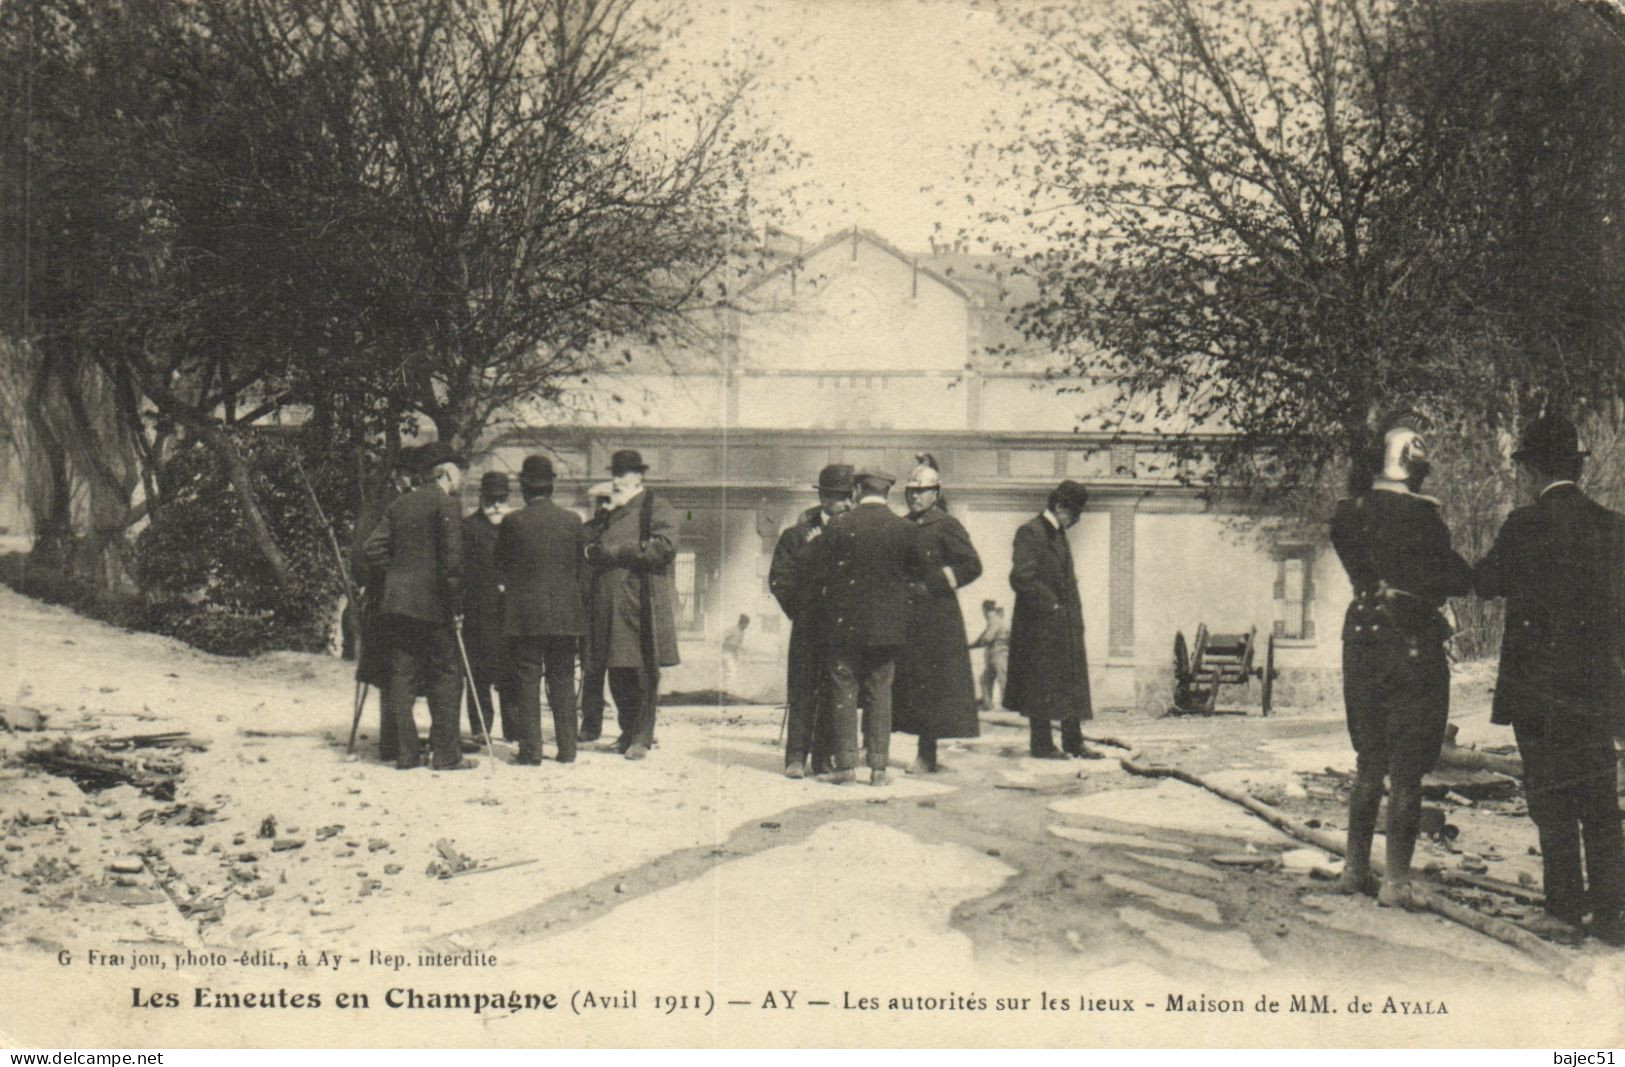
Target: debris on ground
<point>448,861</point>
<point>96,764</point>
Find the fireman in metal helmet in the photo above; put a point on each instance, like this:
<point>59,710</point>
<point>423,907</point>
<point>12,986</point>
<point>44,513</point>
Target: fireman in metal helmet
<point>934,693</point>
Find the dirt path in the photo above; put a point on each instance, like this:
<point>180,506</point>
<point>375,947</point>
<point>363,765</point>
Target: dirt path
<point>704,869</point>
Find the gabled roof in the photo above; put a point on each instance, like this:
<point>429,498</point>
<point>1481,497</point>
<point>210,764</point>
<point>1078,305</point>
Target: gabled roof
<point>857,233</point>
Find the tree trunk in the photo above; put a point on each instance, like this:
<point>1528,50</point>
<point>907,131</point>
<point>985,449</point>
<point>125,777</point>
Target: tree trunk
<point>242,478</point>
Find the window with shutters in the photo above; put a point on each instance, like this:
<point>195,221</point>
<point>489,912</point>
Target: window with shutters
<point>1294,593</point>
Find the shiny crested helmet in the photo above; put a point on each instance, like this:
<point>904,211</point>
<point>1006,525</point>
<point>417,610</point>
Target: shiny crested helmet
<point>925,474</point>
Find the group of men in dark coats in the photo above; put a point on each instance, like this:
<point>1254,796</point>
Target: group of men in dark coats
<point>1559,561</point>
<point>876,623</point>
<point>506,601</point>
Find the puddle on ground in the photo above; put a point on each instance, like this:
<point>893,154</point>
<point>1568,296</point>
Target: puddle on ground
<point>1182,866</point>
<point>1166,899</point>
<point>1173,806</point>
<point>1086,836</point>
<point>1231,950</point>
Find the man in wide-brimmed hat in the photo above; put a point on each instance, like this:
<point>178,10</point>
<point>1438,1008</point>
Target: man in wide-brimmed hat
<point>540,561</point>
<point>1395,548</point>
<point>632,616</point>
<point>482,613</point>
<point>1560,563</point>
<point>797,586</point>
<point>420,543</point>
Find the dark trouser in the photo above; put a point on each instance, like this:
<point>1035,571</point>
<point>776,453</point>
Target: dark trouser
<point>505,691</point>
<point>636,692</point>
<point>552,657</point>
<point>861,674</point>
<point>807,729</point>
<point>592,700</point>
<point>427,649</point>
<point>1569,781</point>
<point>1042,737</point>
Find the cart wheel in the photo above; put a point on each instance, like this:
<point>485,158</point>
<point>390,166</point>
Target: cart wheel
<point>1182,672</point>
<point>1201,645</point>
<point>1269,675</point>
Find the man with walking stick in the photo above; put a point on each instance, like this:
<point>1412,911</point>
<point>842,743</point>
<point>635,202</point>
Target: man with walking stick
<point>372,645</point>
<point>799,592</point>
<point>419,542</point>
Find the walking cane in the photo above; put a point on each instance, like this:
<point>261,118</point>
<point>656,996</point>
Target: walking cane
<point>355,723</point>
<point>473,693</point>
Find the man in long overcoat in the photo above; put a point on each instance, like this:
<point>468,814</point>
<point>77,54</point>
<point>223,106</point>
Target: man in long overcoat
<point>1049,671</point>
<point>867,558</point>
<point>482,613</point>
<point>934,695</point>
<point>633,617</point>
<point>538,555</point>
<point>420,542</point>
<point>798,588</point>
<point>1560,563</point>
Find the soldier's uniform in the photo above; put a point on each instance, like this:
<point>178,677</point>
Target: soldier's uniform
<point>1560,563</point>
<point>1396,679</point>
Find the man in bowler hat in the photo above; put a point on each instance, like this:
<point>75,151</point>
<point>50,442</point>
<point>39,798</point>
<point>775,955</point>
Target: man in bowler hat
<point>1560,563</point>
<point>866,559</point>
<point>798,588</point>
<point>419,542</point>
<point>1048,678</point>
<point>482,613</point>
<point>632,617</point>
<point>540,561</point>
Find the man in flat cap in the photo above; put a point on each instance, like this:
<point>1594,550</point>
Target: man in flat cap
<point>487,647</point>
<point>593,669</point>
<point>866,559</point>
<point>1049,670</point>
<point>632,616</point>
<point>1395,547</point>
<point>1560,563</point>
<point>798,589</point>
<point>538,554</point>
<point>419,542</point>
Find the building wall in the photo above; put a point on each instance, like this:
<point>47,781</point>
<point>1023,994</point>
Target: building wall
<point>856,306</point>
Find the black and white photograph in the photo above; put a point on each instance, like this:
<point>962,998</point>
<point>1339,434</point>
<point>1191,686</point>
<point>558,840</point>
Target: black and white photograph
<point>850,524</point>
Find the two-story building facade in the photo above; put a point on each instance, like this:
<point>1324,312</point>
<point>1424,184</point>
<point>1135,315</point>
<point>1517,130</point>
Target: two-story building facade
<point>853,351</point>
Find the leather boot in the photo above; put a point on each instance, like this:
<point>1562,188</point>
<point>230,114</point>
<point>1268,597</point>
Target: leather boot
<point>1404,820</point>
<point>1364,800</point>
